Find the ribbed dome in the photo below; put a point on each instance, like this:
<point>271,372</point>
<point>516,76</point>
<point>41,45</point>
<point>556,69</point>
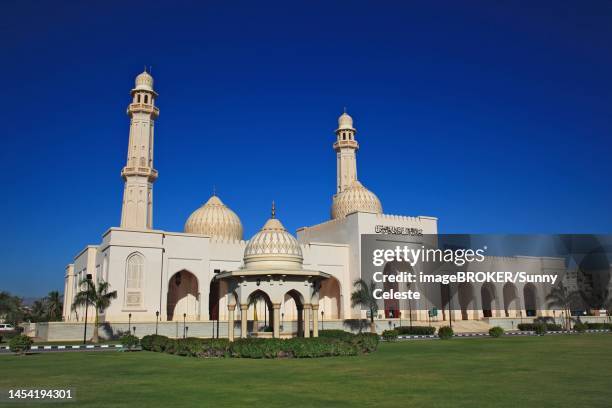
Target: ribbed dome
<point>345,121</point>
<point>216,220</point>
<point>273,247</point>
<point>355,198</point>
<point>144,81</point>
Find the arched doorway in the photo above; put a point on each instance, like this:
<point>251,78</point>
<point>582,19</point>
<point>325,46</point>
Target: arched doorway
<point>487,296</point>
<point>510,298</point>
<point>260,309</point>
<point>183,296</point>
<point>530,299</point>
<point>329,299</point>
<point>466,299</point>
<point>292,311</point>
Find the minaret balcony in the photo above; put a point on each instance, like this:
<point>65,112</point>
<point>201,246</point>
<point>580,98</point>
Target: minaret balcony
<point>346,144</point>
<point>148,172</point>
<point>143,107</point>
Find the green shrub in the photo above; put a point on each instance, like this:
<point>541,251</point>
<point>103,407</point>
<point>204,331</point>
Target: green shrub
<point>20,344</point>
<point>154,342</point>
<point>580,327</point>
<point>539,329</point>
<point>538,326</point>
<point>445,332</point>
<point>416,330</point>
<point>129,341</point>
<point>496,331</point>
<point>599,326</point>
<point>366,342</point>
<point>390,335</point>
<point>336,334</point>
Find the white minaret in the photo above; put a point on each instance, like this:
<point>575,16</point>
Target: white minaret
<point>346,146</point>
<point>138,173</point>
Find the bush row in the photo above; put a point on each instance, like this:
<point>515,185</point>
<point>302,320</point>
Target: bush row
<point>264,348</point>
<point>539,327</point>
<point>416,330</point>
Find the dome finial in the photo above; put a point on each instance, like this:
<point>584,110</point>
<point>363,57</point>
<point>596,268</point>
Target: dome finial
<point>273,210</point>
<point>214,190</point>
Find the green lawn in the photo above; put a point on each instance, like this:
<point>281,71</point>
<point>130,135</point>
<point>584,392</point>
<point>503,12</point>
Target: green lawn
<point>550,371</point>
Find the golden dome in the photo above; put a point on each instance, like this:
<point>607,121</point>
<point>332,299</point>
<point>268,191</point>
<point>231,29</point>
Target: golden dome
<point>273,247</point>
<point>216,220</point>
<point>355,198</point>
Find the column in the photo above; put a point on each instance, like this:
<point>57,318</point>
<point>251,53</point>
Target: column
<point>315,320</point>
<point>307,313</point>
<point>276,308</point>
<point>243,320</point>
<point>230,322</point>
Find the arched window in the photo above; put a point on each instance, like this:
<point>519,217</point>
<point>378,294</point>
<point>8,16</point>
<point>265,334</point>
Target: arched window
<point>133,280</point>
<point>138,98</point>
<point>146,98</point>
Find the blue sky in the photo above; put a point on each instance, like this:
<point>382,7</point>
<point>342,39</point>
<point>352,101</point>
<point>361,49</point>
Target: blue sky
<point>494,118</point>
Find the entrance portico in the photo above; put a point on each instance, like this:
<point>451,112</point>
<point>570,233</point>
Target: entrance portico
<point>303,285</point>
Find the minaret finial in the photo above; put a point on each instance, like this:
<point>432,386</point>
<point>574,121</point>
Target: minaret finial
<point>273,210</point>
<point>345,109</point>
<point>145,68</point>
<point>214,190</point>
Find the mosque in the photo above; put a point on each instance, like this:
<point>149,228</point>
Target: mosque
<point>210,272</point>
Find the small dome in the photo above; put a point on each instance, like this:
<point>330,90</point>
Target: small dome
<point>355,198</point>
<point>345,121</point>
<point>216,220</point>
<point>144,81</point>
<point>273,247</point>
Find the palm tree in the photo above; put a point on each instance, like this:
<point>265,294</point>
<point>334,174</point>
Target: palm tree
<point>54,305</point>
<point>39,310</point>
<point>560,297</point>
<point>97,296</point>
<point>363,296</point>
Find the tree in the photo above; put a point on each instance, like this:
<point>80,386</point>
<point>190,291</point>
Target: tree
<point>363,296</point>
<point>54,305</point>
<point>39,311</point>
<point>562,298</point>
<point>94,295</point>
<point>11,309</point>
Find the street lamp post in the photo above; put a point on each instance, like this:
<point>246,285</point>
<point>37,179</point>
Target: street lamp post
<point>86,309</point>
<point>156,320</point>
<point>322,314</point>
<point>282,321</point>
<point>184,331</point>
<point>134,330</point>
<point>130,323</point>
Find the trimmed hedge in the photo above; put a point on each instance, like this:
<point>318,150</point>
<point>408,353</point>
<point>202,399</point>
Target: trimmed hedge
<point>390,335</point>
<point>129,341</point>
<point>263,348</point>
<point>496,331</point>
<point>335,334</point>
<point>538,326</point>
<point>416,330</point>
<point>580,327</point>
<point>445,332</point>
<point>20,344</point>
<point>599,326</point>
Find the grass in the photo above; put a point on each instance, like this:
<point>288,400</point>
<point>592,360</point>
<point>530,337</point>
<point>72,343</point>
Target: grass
<point>550,371</point>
